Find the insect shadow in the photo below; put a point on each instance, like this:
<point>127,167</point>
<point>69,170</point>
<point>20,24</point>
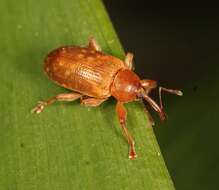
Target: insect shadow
<point>109,114</point>
<point>29,63</point>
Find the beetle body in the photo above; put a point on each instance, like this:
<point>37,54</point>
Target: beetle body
<point>83,70</point>
<point>94,76</point>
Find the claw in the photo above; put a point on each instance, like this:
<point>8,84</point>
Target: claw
<point>39,107</point>
<point>132,153</point>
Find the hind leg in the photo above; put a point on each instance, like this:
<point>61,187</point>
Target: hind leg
<point>60,97</point>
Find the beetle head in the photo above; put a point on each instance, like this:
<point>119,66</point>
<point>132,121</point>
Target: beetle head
<point>147,86</point>
<point>128,87</point>
<point>125,86</point>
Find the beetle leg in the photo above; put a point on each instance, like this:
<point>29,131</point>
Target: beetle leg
<point>60,97</point>
<point>129,61</point>
<point>94,45</point>
<point>93,102</point>
<point>122,114</point>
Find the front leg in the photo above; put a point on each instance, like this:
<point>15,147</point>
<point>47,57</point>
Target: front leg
<point>60,97</point>
<point>122,114</point>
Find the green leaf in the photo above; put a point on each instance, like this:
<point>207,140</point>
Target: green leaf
<point>67,146</point>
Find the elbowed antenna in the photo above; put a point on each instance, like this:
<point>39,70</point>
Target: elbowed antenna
<point>176,92</point>
<point>154,105</point>
<point>148,85</point>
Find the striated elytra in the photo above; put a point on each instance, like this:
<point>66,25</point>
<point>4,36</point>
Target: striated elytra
<point>94,76</point>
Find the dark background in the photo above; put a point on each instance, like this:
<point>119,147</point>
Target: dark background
<point>179,47</point>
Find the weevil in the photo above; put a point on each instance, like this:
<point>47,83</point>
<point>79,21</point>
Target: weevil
<point>93,76</point>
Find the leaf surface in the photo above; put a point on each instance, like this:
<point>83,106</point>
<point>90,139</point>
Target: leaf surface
<point>67,146</point>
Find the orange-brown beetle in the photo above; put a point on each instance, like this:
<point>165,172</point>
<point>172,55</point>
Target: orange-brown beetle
<point>94,77</point>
